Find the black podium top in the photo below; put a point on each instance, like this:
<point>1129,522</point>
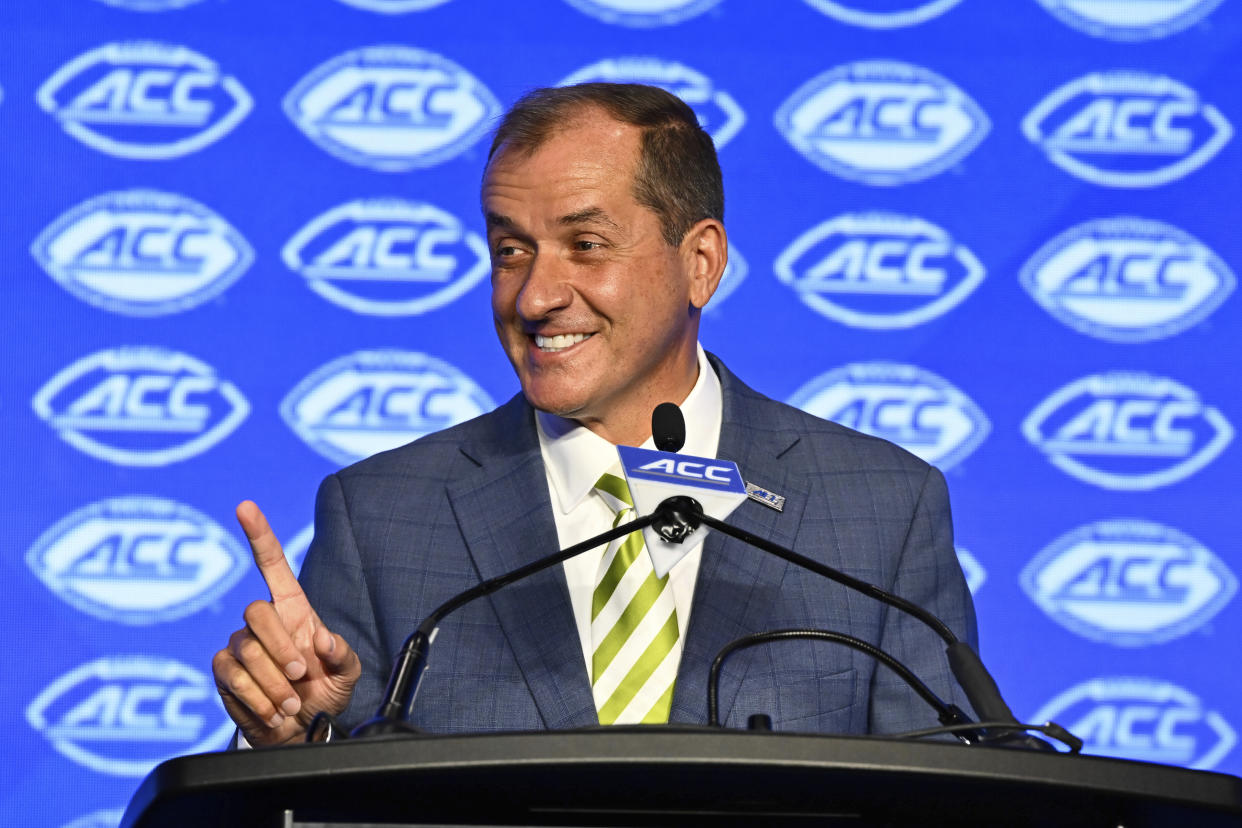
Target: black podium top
<point>673,776</point>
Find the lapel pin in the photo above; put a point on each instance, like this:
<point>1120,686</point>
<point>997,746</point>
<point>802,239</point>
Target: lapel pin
<point>769,499</point>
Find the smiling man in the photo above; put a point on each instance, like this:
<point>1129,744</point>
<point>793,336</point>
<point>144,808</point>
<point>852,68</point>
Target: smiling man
<point>604,211</point>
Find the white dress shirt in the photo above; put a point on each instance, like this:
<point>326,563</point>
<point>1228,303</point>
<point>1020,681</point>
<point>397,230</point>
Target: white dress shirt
<point>574,457</point>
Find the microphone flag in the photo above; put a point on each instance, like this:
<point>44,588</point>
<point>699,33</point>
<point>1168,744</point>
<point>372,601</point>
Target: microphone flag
<point>654,476</point>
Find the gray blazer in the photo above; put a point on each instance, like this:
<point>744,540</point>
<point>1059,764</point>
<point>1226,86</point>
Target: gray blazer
<point>399,533</point>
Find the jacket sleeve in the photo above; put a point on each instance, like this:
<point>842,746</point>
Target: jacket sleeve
<point>928,574</point>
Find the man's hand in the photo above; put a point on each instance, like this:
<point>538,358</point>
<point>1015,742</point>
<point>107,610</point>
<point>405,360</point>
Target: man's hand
<point>284,666</point>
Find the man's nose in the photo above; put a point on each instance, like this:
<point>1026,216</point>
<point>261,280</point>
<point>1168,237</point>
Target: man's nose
<point>547,288</point>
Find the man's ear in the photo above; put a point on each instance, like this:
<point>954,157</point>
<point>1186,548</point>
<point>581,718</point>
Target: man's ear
<point>705,252</point>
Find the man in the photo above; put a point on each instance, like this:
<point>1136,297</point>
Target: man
<point>604,211</point>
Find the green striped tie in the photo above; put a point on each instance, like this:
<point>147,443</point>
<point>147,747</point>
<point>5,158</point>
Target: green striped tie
<point>633,626</point>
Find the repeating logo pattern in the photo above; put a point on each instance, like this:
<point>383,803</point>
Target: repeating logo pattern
<point>145,100</point>
<point>370,401</point>
<point>879,270</point>
<point>908,405</point>
<point>1127,129</point>
<point>1128,582</point>
<point>1127,430</point>
<point>142,252</point>
<point>391,108</point>
<point>388,257</point>
<point>138,560</point>
<point>882,123</point>
<point>201,198</point>
<point>1127,279</point>
<point>140,406</point>
<point>1145,719</point>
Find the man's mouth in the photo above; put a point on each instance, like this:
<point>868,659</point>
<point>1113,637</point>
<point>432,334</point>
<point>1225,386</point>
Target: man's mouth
<point>552,344</point>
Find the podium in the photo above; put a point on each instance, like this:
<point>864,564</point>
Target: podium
<point>644,776</point>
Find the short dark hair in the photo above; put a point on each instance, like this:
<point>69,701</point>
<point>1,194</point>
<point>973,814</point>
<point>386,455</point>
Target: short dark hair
<point>678,175</point>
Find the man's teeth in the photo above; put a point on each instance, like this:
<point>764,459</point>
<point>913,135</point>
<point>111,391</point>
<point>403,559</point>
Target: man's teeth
<point>559,342</point>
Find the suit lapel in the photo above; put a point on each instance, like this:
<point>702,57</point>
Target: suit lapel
<point>506,519</point>
<point>737,584</point>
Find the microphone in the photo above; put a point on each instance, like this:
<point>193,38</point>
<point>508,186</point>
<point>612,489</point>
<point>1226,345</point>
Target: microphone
<point>668,427</point>
<point>683,514</point>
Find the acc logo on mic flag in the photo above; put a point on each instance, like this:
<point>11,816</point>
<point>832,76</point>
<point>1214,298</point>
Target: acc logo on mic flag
<point>1127,279</point>
<point>388,257</point>
<point>370,401</point>
<point>1128,582</point>
<point>907,405</point>
<point>122,715</point>
<point>142,252</point>
<point>391,108</point>
<point>894,14</point>
<point>718,113</point>
<point>882,123</point>
<point>137,406</point>
<point>879,270</point>
<point>137,560</point>
<point>643,14</point>
<point>1127,129</point>
<point>144,100</point>
<point>1144,719</point>
<point>1144,20</point>
<point>1127,430</point>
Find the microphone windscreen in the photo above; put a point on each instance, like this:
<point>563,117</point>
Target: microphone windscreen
<point>668,427</point>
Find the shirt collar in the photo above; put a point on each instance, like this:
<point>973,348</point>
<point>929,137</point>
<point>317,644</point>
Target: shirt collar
<point>575,456</point>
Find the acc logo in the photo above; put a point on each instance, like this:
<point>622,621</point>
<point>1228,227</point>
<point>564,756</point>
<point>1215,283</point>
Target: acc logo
<point>912,407</point>
<point>391,108</point>
<point>719,114</point>
<point>388,257</point>
<point>1128,582</point>
<point>1143,719</point>
<point>973,570</point>
<point>140,406</point>
<point>902,13</point>
<point>1130,21</point>
<point>144,100</point>
<point>1127,129</point>
<point>1127,279</point>
<point>137,560</point>
<point>643,13</point>
<point>371,401</point>
<point>1127,430</point>
<point>393,6</point>
<point>882,122</point>
<point>879,270</point>
<point>123,715</point>
<point>142,252</point>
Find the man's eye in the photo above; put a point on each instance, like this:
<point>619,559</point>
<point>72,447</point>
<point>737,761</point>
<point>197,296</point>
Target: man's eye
<point>584,244</point>
<point>505,250</point>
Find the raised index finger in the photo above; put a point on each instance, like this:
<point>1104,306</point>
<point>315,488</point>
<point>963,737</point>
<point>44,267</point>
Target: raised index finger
<point>268,555</point>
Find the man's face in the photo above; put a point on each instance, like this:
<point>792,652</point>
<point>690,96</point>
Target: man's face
<point>596,311</point>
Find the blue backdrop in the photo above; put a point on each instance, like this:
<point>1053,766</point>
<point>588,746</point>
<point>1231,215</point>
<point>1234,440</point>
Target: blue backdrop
<point>242,249</point>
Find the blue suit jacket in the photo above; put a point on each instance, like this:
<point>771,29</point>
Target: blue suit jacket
<point>399,533</point>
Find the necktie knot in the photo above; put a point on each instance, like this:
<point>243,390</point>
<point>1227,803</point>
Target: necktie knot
<point>615,492</point>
